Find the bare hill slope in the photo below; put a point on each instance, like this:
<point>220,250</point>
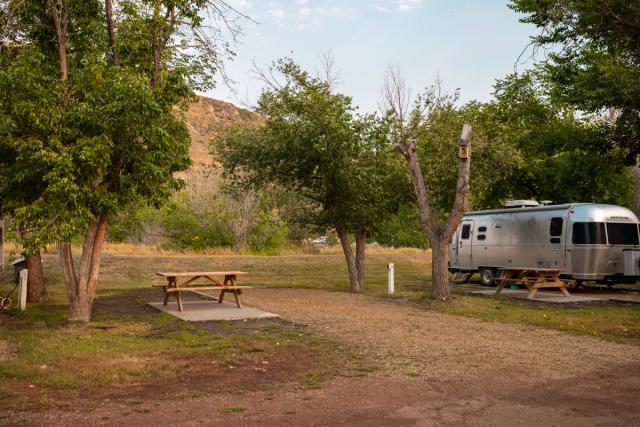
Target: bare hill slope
<point>207,115</point>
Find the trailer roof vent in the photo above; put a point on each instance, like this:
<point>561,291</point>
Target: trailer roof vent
<point>511,204</point>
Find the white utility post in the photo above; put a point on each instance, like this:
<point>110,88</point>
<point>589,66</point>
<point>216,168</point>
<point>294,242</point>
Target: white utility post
<point>391,278</point>
<point>22,290</point>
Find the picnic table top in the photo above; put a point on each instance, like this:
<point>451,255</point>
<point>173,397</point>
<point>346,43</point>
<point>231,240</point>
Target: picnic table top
<point>199,273</point>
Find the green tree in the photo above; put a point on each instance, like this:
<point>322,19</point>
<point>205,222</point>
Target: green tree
<point>402,229</point>
<point>410,128</point>
<point>110,133</point>
<point>314,143</point>
<point>595,65</point>
<point>554,152</point>
<point>29,106</point>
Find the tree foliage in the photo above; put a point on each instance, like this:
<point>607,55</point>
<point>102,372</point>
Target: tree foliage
<point>553,151</point>
<point>595,61</point>
<point>115,140</point>
<point>101,127</point>
<point>315,143</point>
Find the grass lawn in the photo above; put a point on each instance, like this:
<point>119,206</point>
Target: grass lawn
<point>619,324</point>
<point>130,348</point>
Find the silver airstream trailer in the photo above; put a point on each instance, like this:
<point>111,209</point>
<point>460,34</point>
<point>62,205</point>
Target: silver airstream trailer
<point>589,242</point>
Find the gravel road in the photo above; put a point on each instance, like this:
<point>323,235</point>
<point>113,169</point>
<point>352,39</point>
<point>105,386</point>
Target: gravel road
<point>407,339</point>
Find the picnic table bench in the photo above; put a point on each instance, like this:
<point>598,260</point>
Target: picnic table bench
<point>209,282</point>
<point>533,279</point>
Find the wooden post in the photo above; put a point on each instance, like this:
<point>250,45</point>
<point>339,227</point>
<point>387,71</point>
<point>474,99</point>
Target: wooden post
<point>390,268</point>
<point>22,289</point>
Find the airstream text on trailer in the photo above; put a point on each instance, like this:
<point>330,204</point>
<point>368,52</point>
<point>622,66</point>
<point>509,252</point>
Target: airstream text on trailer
<point>594,242</point>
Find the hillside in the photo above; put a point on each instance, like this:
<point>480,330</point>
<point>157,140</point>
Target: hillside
<point>204,117</point>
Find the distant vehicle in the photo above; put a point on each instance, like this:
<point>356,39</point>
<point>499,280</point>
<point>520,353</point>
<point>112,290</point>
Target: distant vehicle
<point>320,241</point>
<point>589,242</point>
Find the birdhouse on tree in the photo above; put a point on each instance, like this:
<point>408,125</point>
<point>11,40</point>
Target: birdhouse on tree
<point>465,150</point>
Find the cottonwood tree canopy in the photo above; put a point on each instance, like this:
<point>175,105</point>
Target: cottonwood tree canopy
<point>88,106</point>
<point>437,137</point>
<point>551,150</point>
<point>594,62</point>
<point>314,142</point>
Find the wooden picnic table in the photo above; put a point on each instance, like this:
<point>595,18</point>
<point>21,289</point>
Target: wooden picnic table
<point>209,282</point>
<point>533,279</point>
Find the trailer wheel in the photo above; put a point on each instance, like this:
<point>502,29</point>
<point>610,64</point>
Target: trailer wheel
<point>486,276</point>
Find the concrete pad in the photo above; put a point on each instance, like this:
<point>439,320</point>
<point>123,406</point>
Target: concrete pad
<point>544,296</point>
<point>203,311</point>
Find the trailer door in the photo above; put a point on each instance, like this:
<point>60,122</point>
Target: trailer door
<point>464,245</point>
<point>557,243</point>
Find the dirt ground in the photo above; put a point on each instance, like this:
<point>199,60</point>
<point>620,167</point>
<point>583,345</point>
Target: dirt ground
<point>428,369</point>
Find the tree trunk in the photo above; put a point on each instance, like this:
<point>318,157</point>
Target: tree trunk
<point>80,308</point>
<point>156,52</point>
<point>361,242</point>
<point>635,170</point>
<point>36,291</point>
<point>155,70</point>
<point>108,8</point>
<point>81,287</point>
<point>439,235</point>
<point>351,262</point>
<point>60,15</point>
<point>440,268</point>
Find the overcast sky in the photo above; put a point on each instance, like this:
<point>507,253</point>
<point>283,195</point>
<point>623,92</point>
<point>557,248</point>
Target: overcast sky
<point>468,43</point>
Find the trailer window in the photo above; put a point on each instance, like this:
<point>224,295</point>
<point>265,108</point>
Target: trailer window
<point>622,234</point>
<point>588,233</point>
<point>466,231</point>
<point>555,229</point>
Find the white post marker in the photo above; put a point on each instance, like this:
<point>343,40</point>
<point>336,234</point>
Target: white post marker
<point>22,290</point>
<point>391,278</point>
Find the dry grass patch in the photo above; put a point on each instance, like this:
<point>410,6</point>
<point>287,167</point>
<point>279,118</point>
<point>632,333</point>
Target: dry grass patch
<point>13,250</point>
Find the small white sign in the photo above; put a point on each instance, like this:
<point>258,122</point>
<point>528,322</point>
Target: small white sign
<point>22,290</point>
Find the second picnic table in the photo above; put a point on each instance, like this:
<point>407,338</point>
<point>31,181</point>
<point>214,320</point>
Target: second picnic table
<point>209,282</point>
<point>533,279</point>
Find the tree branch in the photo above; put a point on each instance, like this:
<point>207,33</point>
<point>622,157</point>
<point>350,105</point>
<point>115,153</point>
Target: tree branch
<point>427,219</point>
<point>460,203</point>
<point>108,6</point>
